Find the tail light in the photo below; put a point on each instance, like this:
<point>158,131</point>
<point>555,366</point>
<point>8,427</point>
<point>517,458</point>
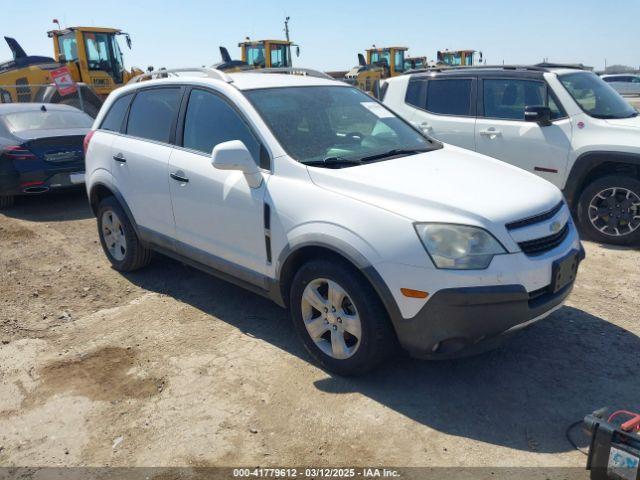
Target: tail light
<point>17,152</point>
<point>87,139</point>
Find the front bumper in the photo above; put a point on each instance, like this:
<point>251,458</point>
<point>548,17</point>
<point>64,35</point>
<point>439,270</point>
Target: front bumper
<point>458,322</point>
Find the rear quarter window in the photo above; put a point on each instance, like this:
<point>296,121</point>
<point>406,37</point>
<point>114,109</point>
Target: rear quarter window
<point>114,119</point>
<point>153,113</point>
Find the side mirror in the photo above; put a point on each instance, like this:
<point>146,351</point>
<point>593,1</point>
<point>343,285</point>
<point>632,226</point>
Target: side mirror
<point>234,155</point>
<point>539,114</point>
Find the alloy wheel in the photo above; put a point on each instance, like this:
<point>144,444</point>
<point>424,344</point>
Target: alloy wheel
<point>114,236</point>
<point>615,211</point>
<point>331,318</point>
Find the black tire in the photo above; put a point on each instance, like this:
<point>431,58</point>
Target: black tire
<point>89,108</point>
<point>6,201</point>
<point>378,339</point>
<point>619,211</point>
<point>135,255</point>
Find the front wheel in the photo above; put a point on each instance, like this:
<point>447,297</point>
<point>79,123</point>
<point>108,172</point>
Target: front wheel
<point>340,318</point>
<point>609,210</point>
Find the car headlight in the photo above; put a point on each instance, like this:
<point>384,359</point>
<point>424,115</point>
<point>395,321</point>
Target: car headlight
<point>458,247</point>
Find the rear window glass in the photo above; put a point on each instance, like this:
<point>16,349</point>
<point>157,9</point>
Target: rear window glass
<point>50,119</point>
<point>449,97</point>
<point>115,115</point>
<point>153,112</point>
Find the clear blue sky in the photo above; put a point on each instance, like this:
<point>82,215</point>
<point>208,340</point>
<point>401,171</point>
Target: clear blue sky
<point>331,32</point>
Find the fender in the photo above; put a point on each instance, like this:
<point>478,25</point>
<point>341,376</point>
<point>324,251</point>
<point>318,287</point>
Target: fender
<point>586,163</point>
<point>344,249</point>
<point>105,181</point>
<point>49,94</point>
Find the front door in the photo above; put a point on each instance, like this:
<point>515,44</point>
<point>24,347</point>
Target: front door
<point>502,133</point>
<point>219,217</point>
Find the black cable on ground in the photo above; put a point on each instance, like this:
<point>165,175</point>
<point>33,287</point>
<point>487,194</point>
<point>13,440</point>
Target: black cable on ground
<point>567,434</point>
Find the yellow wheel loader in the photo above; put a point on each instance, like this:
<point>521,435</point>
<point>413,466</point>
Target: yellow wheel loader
<point>459,58</point>
<point>92,56</point>
<point>380,63</point>
<point>259,54</point>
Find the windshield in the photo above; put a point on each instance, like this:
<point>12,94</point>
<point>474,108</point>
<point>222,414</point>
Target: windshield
<point>23,121</point>
<point>595,97</point>
<point>317,123</point>
<point>104,54</point>
<point>383,56</point>
<point>280,56</point>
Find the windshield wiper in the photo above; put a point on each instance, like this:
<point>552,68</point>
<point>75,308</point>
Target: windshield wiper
<point>333,162</point>
<point>394,152</point>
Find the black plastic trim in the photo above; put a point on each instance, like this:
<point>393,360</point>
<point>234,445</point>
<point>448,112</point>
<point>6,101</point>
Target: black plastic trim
<point>525,222</point>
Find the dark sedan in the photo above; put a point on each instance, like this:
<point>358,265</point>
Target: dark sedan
<point>40,148</point>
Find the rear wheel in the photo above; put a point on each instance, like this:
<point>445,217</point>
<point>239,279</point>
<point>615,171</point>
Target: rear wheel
<point>609,210</point>
<point>340,318</point>
<point>6,201</point>
<point>88,107</point>
<point>118,238</point>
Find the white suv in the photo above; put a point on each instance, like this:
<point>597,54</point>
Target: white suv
<point>308,191</point>
<point>563,124</point>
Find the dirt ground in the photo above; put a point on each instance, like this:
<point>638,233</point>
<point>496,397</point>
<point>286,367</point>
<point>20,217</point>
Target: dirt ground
<point>171,367</point>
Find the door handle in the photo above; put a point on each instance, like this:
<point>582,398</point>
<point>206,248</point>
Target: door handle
<point>491,132</point>
<point>119,157</point>
<point>179,176</point>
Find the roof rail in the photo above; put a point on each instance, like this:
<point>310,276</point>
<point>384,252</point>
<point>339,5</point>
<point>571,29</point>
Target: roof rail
<point>305,72</point>
<point>539,67</point>
<point>576,66</point>
<point>174,72</point>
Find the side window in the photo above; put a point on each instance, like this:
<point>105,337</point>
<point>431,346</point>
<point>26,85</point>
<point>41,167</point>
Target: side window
<point>210,120</point>
<point>153,112</point>
<point>414,89</point>
<point>506,98</point>
<point>449,97</point>
<point>114,117</point>
<point>68,46</point>
<point>609,79</point>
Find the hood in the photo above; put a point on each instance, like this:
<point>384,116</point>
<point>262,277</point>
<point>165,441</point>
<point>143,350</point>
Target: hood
<point>446,185</point>
<point>633,122</point>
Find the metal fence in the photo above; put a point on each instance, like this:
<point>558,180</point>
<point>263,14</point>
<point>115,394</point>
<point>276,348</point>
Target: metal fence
<point>42,93</point>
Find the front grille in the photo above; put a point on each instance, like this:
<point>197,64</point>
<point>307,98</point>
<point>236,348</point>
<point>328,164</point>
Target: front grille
<point>536,218</point>
<point>539,246</point>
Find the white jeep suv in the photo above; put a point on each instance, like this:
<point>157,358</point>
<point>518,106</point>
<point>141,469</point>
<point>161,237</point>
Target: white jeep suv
<point>309,192</point>
<point>564,124</point>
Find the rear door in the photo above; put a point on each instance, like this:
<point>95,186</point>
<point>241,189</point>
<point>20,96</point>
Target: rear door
<point>445,109</point>
<point>219,218</point>
<point>140,160</point>
<point>502,133</point>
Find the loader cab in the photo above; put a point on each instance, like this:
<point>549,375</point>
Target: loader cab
<point>460,58</point>
<point>93,55</point>
<point>392,57</point>
<point>267,53</point>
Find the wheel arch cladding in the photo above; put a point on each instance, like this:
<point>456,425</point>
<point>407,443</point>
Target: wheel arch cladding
<point>101,190</point>
<point>592,165</point>
<point>291,259</point>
